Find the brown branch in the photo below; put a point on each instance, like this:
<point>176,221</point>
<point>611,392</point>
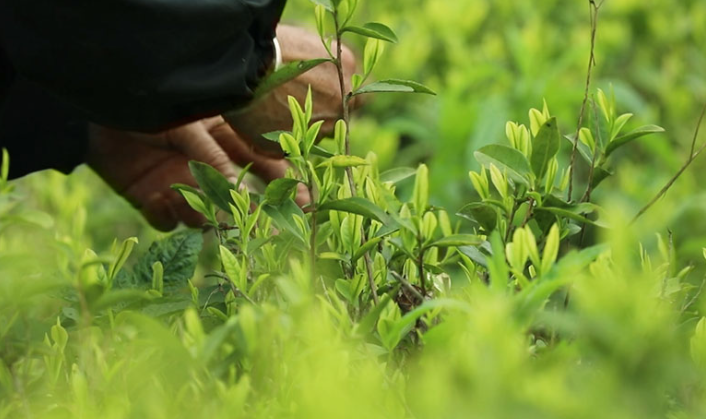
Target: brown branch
<point>676,177</point>
<point>594,9</point>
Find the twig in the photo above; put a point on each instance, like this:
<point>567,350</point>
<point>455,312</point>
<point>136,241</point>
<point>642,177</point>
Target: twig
<point>595,8</point>
<point>676,177</point>
<point>408,286</point>
<point>592,170</point>
<point>591,173</point>
<point>693,299</point>
<point>345,98</point>
<point>314,230</point>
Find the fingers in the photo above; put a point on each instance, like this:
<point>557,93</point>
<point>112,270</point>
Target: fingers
<point>161,206</point>
<point>196,143</point>
<point>266,168</point>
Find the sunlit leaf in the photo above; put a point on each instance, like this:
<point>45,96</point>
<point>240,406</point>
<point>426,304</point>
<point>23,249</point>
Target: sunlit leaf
<point>632,136</point>
<point>359,206</point>
<point>373,30</point>
<point>212,183</point>
<point>286,73</point>
<point>394,86</point>
<point>507,159</point>
<point>545,146</point>
<point>280,189</point>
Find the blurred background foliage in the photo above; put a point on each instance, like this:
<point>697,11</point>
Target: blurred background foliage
<point>627,352</point>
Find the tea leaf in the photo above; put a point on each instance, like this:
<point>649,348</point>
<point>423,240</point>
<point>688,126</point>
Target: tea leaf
<point>325,3</point>
<point>283,216</point>
<point>373,30</point>
<point>359,206</point>
<point>394,86</point>
<point>178,254</point>
<point>545,146</point>
<point>121,257</point>
<point>631,136</point>
<point>457,240</point>
<point>484,214</point>
<point>343,161</point>
<point>212,183</point>
<point>397,175</point>
<point>280,189</point>
<point>507,159</point>
<point>286,73</point>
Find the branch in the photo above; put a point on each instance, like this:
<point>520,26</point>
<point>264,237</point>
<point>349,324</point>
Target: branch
<point>686,165</point>
<point>595,8</point>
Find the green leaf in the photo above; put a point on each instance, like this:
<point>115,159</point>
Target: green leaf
<point>5,166</point>
<point>599,175</point>
<point>343,161</point>
<point>507,159</point>
<point>457,240</point>
<point>280,189</point>
<point>321,152</point>
<point>158,277</point>
<point>359,206</point>
<point>178,253</point>
<point>402,326</point>
<point>233,269</point>
<point>362,250</point>
<point>497,266</point>
<point>287,73</point>
<point>582,148</point>
<point>545,146</point>
<point>394,86</point>
<point>194,201</point>
<point>373,30</point>
<point>420,194</point>
<point>212,183</point>
<point>283,214</point>
<point>274,135</point>
<point>474,253</point>
<point>631,136</point>
<point>565,213</point>
<point>119,297</point>
<point>484,214</point>
<point>397,175</point>
<point>121,257</point>
<point>325,3</point>
<point>562,273</point>
<point>367,324</point>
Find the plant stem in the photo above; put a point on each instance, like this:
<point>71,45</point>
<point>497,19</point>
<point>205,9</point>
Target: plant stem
<point>686,165</point>
<point>591,63</point>
<point>314,231</point>
<point>420,268</point>
<point>345,103</point>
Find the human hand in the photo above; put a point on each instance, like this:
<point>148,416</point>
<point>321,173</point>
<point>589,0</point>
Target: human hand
<point>271,113</point>
<point>142,167</point>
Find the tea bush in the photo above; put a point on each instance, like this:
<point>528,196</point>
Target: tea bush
<point>531,300</point>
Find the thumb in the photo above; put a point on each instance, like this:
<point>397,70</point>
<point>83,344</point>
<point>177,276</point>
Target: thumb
<point>196,143</point>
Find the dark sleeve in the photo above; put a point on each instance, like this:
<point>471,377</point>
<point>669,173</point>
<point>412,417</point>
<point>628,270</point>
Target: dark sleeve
<point>39,130</point>
<point>139,65</point>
